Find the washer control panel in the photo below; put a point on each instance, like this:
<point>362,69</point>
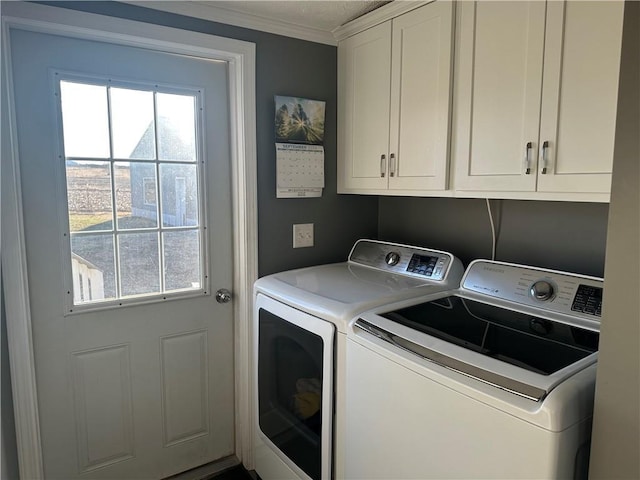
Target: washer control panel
<point>402,259</point>
<point>427,265</point>
<point>588,299</point>
<point>542,290</point>
<point>559,292</point>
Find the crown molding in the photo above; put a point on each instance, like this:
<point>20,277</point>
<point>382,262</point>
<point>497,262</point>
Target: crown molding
<point>253,22</point>
<point>375,17</point>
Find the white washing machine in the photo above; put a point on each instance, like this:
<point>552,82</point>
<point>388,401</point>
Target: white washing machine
<point>300,324</point>
<point>493,380</point>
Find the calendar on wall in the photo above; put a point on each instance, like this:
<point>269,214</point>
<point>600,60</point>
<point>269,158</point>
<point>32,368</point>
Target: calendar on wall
<point>300,170</point>
<point>299,129</point>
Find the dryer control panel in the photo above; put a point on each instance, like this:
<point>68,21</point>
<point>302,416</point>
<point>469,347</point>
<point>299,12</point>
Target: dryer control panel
<point>403,259</point>
<point>559,292</point>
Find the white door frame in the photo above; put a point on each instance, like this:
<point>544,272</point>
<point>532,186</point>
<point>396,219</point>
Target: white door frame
<point>240,56</point>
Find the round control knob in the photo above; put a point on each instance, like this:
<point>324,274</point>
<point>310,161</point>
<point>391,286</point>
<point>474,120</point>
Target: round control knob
<point>392,258</point>
<point>542,290</point>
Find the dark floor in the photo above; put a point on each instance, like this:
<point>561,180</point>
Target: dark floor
<point>235,473</point>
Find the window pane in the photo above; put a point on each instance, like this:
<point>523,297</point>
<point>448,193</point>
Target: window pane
<point>179,189</point>
<point>181,259</point>
<point>136,195</point>
<point>176,127</point>
<point>132,124</point>
<point>93,268</point>
<point>138,168</point>
<point>139,269</point>
<point>89,196</point>
<point>84,118</point>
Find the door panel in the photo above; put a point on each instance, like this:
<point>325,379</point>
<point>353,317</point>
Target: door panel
<point>364,82</point>
<point>580,95</point>
<point>498,94</point>
<point>420,99</point>
<point>184,418</point>
<point>104,413</point>
<point>138,391</point>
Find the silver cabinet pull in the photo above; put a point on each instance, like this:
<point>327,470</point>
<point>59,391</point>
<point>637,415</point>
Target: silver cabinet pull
<point>383,165</point>
<point>392,165</point>
<point>544,157</point>
<point>527,158</point>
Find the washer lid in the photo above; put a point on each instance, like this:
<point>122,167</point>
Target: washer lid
<point>535,344</point>
<point>338,292</point>
<point>554,402</point>
<point>512,350</point>
<point>348,283</point>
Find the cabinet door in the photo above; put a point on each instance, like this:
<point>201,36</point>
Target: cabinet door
<point>580,95</point>
<point>498,89</point>
<point>420,98</point>
<point>364,66</point>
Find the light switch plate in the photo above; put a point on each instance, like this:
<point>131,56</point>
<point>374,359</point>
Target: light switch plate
<point>302,235</point>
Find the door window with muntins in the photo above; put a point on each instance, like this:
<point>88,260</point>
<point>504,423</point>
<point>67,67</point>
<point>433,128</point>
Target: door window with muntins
<point>133,169</point>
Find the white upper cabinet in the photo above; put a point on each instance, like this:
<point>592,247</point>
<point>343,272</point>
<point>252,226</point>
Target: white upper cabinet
<point>394,104</point>
<point>535,98</point>
<point>364,84</point>
<point>497,96</point>
<point>580,95</point>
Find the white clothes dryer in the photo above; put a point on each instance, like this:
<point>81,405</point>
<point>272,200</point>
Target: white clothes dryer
<point>493,380</point>
<point>300,324</point>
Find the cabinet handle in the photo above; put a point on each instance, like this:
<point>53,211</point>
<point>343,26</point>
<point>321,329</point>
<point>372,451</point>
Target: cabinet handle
<point>527,158</point>
<point>392,165</point>
<point>383,165</point>
<point>544,157</point>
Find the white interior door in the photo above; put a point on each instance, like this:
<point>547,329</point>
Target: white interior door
<point>134,357</point>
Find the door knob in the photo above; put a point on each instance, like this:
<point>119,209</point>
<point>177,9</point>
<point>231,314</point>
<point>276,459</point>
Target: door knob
<point>223,296</point>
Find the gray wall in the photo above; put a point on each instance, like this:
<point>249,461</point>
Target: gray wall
<point>615,449</point>
<point>559,235</point>
<point>284,66</point>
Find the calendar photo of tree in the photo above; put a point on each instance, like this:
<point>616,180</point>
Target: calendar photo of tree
<point>299,120</point>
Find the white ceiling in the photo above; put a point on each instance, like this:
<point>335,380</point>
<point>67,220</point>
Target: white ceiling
<point>316,14</point>
<point>313,20</point>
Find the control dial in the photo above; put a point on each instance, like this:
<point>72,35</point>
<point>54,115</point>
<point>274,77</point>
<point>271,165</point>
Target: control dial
<point>392,258</point>
<point>542,290</point>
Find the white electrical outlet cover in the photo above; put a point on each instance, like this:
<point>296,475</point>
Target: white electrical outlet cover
<point>302,235</point>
